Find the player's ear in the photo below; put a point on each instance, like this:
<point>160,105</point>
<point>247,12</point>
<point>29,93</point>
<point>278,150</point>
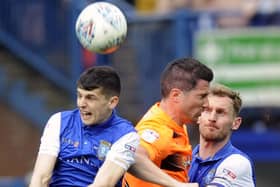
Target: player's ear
<point>236,123</point>
<point>175,94</point>
<point>113,102</point>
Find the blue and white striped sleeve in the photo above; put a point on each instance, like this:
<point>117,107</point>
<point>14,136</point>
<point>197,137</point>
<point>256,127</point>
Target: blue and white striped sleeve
<point>236,170</point>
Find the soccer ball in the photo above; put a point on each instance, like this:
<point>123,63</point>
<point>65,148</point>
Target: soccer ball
<point>101,27</point>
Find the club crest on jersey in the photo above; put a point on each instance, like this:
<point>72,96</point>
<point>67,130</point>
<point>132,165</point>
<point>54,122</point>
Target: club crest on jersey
<point>103,149</point>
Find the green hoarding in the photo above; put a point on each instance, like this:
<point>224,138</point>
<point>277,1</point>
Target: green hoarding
<point>247,60</point>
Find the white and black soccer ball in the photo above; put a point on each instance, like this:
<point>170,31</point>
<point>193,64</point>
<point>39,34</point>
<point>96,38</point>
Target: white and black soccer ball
<point>101,27</point>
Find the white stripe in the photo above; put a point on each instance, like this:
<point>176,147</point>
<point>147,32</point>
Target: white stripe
<point>262,96</point>
<point>247,72</point>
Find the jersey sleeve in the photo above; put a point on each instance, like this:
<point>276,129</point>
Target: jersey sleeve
<point>122,151</point>
<point>236,170</point>
<point>50,141</point>
<point>155,140</point>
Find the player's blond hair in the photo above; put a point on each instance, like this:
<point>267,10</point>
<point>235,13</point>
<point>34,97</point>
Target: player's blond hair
<point>224,91</point>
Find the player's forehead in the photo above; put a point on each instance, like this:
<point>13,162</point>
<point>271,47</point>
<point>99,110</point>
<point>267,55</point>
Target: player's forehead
<point>94,92</point>
<point>221,102</point>
<point>202,87</point>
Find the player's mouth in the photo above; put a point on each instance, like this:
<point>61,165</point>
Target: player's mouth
<point>85,115</point>
<point>211,127</point>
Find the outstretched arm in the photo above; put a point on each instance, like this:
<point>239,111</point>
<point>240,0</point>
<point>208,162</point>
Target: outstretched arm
<point>49,149</point>
<point>43,170</point>
<point>108,175</point>
<point>146,170</point>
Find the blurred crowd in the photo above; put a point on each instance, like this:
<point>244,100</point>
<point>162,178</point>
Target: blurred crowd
<point>231,13</point>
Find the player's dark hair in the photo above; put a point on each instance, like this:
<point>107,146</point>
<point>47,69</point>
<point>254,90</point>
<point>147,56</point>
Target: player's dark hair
<point>104,77</point>
<point>183,74</point>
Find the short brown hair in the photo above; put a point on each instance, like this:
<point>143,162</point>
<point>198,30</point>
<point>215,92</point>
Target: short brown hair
<point>183,73</point>
<point>103,77</point>
<point>224,91</point>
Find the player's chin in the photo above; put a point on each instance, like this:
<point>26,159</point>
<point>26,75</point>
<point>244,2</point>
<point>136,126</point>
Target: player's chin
<point>87,121</point>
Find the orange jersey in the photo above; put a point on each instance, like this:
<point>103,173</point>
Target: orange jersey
<point>167,144</point>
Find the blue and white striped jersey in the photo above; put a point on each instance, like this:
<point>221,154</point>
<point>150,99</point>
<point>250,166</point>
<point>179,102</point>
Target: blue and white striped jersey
<point>230,167</point>
<point>82,149</point>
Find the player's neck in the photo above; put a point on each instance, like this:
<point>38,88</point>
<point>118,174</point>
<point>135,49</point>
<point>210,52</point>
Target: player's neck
<point>210,148</point>
<point>170,109</point>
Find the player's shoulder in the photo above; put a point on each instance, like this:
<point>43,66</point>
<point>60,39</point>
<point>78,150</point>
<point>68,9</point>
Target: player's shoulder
<point>237,158</point>
<point>237,163</point>
<point>154,116</point>
<point>154,128</point>
<point>55,117</point>
<point>53,124</point>
<point>129,137</point>
<point>236,169</point>
<point>63,117</point>
<point>153,121</point>
<point>119,126</point>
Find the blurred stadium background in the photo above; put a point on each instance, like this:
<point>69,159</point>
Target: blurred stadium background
<point>40,60</point>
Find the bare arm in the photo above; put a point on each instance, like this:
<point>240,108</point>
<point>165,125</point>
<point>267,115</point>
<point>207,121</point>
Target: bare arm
<point>146,170</point>
<point>108,175</point>
<point>48,152</point>
<point>43,170</point>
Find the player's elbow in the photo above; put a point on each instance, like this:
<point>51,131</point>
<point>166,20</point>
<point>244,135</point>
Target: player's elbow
<point>40,180</point>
